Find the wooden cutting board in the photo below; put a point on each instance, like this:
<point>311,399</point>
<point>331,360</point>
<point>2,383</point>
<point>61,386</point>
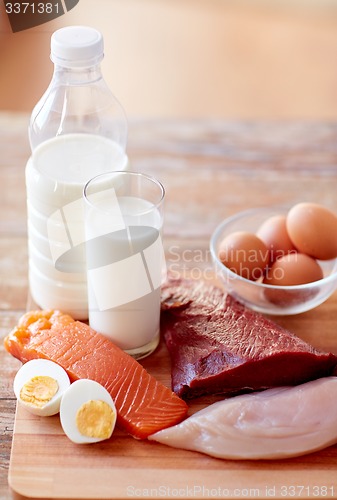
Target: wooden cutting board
<point>45,464</point>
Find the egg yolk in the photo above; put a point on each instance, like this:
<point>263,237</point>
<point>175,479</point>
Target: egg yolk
<point>95,419</point>
<point>38,391</point>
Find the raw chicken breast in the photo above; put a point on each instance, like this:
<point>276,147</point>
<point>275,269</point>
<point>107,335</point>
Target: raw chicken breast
<point>272,424</point>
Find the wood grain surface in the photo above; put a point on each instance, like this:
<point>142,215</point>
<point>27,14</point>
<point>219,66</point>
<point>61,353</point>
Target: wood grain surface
<point>210,169</point>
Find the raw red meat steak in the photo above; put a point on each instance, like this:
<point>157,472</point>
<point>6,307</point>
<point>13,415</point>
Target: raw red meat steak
<point>219,346</point>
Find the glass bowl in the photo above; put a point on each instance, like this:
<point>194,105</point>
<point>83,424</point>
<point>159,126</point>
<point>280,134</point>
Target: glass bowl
<point>269,299</point>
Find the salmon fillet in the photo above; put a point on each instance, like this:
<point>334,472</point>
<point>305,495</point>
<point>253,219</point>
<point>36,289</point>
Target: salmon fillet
<point>144,405</point>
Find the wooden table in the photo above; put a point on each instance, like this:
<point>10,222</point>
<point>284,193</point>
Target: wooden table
<point>210,169</point>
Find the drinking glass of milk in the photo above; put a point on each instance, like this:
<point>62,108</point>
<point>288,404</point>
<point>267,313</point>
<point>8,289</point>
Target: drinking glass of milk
<point>125,258</point>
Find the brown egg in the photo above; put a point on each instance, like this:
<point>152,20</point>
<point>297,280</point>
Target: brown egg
<point>245,254</point>
<point>273,232</point>
<point>293,269</point>
<point>313,230</point>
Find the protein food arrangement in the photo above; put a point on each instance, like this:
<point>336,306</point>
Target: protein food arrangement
<point>275,393</point>
<point>274,385</point>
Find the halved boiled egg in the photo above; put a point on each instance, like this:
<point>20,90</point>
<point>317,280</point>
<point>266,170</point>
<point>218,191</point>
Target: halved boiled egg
<point>39,386</point>
<point>87,413</point>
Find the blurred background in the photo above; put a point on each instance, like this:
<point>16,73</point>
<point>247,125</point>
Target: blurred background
<point>236,59</point>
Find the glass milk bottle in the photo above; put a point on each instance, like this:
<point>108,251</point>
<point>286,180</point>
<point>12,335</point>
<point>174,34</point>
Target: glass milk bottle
<point>77,131</point>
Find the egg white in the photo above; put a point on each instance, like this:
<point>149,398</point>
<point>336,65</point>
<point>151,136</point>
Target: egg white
<point>77,394</point>
<point>42,367</point>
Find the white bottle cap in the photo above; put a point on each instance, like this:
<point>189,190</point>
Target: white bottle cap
<point>77,47</point>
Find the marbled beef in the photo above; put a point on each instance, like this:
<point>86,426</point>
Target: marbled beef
<point>219,346</point>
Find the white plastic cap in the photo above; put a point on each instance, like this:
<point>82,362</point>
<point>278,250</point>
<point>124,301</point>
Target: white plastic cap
<point>76,47</point>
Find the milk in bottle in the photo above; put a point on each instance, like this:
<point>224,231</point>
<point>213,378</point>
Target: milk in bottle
<point>77,130</point>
